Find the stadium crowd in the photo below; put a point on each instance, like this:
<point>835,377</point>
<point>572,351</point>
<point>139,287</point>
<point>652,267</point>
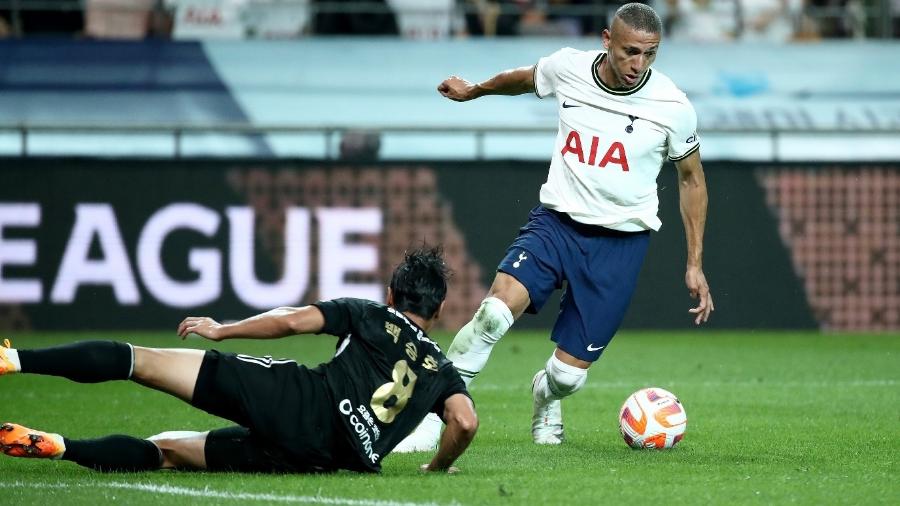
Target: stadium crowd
<point>689,20</point>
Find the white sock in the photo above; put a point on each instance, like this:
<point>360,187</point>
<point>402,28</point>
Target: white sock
<point>431,426</point>
<point>424,438</point>
<point>472,345</point>
<point>13,356</point>
<point>61,443</point>
<point>560,381</point>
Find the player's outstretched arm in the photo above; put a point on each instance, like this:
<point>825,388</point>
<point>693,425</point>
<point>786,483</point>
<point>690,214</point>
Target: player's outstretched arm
<point>462,423</point>
<point>280,322</point>
<point>693,199</point>
<point>510,82</point>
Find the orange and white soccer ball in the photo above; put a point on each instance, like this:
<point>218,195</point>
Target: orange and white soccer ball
<point>652,418</point>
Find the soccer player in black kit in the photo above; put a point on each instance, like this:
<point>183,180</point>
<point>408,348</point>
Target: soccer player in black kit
<point>348,413</point>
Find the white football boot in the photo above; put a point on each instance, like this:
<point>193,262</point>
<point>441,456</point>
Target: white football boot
<point>546,420</point>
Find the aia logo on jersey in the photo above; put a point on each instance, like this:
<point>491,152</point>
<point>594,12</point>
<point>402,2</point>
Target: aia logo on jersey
<point>615,153</point>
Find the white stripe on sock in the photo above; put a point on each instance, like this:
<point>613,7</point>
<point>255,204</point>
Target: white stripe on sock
<point>13,356</point>
<point>131,368</point>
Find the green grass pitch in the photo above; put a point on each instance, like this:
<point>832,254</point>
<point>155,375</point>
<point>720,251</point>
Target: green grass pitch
<point>773,418</point>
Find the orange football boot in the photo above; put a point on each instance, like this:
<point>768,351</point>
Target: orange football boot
<point>6,365</point>
<point>19,441</point>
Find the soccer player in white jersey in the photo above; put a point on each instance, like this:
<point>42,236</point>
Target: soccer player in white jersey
<point>619,119</point>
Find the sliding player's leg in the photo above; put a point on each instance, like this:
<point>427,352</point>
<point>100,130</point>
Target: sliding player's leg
<point>173,371</point>
<point>84,362</point>
<point>230,449</point>
<point>181,449</point>
<point>114,453</point>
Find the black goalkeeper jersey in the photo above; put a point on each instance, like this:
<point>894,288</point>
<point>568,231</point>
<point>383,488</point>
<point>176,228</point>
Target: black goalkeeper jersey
<point>385,377</point>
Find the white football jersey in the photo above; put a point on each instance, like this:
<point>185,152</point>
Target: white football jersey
<point>611,143</point>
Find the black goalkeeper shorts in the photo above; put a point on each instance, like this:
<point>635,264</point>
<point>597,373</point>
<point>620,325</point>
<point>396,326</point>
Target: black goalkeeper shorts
<point>286,418</point>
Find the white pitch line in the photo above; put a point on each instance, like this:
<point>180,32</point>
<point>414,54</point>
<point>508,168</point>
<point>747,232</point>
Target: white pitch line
<point>207,493</point>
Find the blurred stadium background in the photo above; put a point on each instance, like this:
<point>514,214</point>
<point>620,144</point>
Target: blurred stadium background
<point>165,157</point>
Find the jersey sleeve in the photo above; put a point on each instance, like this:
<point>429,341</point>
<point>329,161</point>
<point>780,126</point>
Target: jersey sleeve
<point>547,71</point>
<point>683,138</point>
<point>454,385</point>
<point>341,315</point>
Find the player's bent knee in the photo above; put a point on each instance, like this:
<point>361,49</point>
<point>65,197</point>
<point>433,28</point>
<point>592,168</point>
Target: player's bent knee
<point>564,379</point>
<point>493,318</point>
<point>511,292</point>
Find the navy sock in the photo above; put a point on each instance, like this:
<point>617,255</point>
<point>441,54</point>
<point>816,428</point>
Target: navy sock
<point>114,454</point>
<point>84,362</point>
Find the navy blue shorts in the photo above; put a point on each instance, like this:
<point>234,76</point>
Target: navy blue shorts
<point>600,267</point>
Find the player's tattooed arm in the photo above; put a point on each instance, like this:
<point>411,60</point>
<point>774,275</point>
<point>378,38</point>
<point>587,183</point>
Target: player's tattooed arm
<point>462,423</point>
<point>693,199</point>
<point>509,82</point>
<point>279,322</point>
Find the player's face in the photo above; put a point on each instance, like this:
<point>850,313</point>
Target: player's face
<point>630,54</point>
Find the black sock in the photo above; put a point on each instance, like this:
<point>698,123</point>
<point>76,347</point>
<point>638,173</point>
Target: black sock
<point>84,362</point>
<point>114,453</point>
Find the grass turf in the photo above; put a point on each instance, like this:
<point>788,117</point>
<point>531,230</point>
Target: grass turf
<point>773,418</point>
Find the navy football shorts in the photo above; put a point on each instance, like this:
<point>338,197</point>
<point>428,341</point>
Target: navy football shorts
<point>600,267</point>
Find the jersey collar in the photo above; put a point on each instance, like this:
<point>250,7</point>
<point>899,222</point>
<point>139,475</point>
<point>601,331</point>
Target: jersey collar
<point>413,323</point>
<point>596,66</point>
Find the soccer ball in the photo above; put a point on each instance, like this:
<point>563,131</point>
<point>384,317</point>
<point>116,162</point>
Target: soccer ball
<point>652,418</point>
